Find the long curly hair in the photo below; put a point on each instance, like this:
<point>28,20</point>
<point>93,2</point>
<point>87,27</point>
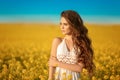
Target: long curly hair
<point>80,39</point>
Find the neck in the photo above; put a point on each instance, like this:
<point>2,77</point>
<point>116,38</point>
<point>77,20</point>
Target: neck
<point>68,37</point>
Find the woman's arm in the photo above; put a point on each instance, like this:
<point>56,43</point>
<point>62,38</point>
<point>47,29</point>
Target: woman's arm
<point>51,72</point>
<point>55,43</point>
<point>73,67</point>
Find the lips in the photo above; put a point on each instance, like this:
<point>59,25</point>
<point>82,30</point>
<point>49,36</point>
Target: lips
<point>63,30</point>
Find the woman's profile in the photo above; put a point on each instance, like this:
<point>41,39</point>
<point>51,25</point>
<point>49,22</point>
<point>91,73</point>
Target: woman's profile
<point>69,55</point>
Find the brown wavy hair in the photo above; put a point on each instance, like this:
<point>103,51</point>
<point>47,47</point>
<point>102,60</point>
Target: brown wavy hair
<point>80,39</point>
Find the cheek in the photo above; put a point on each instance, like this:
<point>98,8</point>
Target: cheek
<point>68,29</point>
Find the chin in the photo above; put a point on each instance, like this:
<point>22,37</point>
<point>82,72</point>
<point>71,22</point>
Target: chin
<point>63,33</point>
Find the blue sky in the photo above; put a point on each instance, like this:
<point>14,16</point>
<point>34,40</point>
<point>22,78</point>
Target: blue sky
<point>94,11</point>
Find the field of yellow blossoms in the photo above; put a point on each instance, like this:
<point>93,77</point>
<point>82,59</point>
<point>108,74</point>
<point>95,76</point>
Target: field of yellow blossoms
<point>25,50</point>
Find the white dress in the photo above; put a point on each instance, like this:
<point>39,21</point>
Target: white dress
<point>69,57</point>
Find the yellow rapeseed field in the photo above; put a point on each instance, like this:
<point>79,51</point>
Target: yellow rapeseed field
<point>25,50</point>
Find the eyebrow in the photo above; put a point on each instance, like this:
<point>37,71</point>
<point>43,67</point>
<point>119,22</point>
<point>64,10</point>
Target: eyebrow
<point>63,23</point>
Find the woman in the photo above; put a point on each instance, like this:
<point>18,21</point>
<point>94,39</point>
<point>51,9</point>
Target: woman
<point>69,55</point>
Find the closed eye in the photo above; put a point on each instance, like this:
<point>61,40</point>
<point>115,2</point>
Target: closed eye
<point>65,24</point>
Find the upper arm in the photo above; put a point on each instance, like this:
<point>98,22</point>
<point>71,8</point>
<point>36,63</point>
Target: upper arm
<point>55,43</point>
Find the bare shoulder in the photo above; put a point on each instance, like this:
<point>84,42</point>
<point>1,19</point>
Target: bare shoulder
<point>57,40</point>
<point>55,43</point>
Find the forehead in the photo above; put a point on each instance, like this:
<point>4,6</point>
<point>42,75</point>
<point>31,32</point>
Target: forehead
<point>63,20</point>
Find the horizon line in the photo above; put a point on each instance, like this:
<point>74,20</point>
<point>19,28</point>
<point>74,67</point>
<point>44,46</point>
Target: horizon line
<point>99,19</point>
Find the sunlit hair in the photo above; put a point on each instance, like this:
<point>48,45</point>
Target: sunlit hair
<point>80,39</point>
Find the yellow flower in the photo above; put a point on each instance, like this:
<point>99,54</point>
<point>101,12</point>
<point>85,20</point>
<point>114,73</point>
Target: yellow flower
<point>117,77</point>
<point>56,73</point>
<point>85,71</point>
<point>94,78</point>
<point>107,66</point>
<point>69,77</point>
<point>64,76</point>
<point>41,77</point>
<point>106,77</point>
<point>64,73</point>
<point>99,79</point>
<point>112,77</point>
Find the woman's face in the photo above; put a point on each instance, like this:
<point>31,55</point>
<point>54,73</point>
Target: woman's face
<point>64,26</point>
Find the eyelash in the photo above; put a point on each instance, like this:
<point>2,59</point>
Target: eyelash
<point>64,24</point>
